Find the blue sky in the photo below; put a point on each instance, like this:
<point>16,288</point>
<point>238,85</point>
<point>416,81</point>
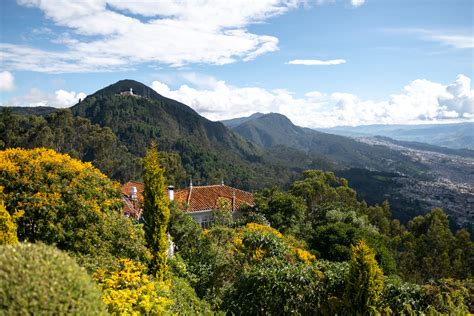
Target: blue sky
<point>322,63</point>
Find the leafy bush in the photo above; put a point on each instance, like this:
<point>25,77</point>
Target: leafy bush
<point>402,297</point>
<point>129,290</point>
<point>274,287</point>
<point>185,300</point>
<point>7,226</point>
<point>67,203</point>
<point>39,279</point>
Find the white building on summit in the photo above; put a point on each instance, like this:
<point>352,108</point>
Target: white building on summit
<point>130,92</point>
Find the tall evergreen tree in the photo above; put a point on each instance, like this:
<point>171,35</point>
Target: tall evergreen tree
<point>365,281</point>
<point>156,212</point>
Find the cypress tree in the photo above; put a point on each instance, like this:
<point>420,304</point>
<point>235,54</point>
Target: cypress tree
<point>365,281</point>
<point>156,212</point>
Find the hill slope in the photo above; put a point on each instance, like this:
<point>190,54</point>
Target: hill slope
<point>30,110</point>
<point>275,129</point>
<point>209,151</point>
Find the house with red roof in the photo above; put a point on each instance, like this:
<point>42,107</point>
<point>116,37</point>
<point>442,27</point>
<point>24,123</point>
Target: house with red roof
<point>198,201</point>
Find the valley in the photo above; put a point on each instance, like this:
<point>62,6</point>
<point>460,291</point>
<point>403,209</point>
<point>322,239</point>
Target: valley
<point>451,186</point>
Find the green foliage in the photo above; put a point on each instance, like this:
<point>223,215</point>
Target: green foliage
<point>403,298</point>
<point>36,279</point>
<point>222,215</point>
<point>184,230</point>
<point>221,253</point>
<point>175,174</point>
<point>185,300</point>
<point>75,136</point>
<point>364,282</point>
<point>284,211</point>
<point>129,291</point>
<point>450,297</point>
<point>274,287</point>
<point>156,212</point>
<point>67,203</point>
<point>428,249</point>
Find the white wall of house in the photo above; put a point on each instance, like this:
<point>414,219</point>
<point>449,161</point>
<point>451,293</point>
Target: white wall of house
<point>205,218</point>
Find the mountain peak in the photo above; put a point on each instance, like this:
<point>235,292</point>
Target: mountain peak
<point>275,118</point>
<point>127,85</point>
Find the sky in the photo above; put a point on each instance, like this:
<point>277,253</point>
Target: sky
<point>322,63</point>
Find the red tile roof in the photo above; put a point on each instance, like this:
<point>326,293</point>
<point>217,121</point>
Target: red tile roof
<point>192,199</point>
<point>199,198</point>
<point>132,208</point>
<point>127,189</point>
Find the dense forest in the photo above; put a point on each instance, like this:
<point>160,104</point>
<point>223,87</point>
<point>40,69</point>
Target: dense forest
<point>313,249</point>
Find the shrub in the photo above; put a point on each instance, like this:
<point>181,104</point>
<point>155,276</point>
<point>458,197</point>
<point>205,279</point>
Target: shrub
<point>274,287</point>
<point>129,290</point>
<point>39,279</point>
<point>67,203</point>
<point>185,300</point>
<point>7,226</point>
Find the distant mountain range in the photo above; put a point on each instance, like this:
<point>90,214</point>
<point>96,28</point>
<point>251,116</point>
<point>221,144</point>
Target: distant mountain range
<point>31,110</point>
<point>457,136</point>
<point>269,130</point>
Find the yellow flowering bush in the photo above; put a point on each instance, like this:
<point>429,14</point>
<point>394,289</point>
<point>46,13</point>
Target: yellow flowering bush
<point>261,241</point>
<point>65,202</point>
<point>129,291</point>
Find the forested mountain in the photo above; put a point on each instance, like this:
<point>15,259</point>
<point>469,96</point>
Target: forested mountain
<point>191,145</point>
<point>455,136</point>
<point>239,120</point>
<point>275,129</point>
<point>30,110</point>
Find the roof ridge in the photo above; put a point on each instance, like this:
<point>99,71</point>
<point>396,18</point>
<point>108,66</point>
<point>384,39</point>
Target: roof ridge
<point>133,181</point>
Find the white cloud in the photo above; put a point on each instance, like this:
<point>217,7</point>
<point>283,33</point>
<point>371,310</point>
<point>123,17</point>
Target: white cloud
<point>458,39</point>
<point>316,62</point>
<point>357,3</point>
<point>7,81</point>
<point>113,34</point>
<point>36,97</point>
<point>419,101</point>
<point>354,3</point>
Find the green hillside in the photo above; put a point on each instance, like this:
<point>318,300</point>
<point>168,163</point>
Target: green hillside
<point>208,150</point>
<point>275,129</point>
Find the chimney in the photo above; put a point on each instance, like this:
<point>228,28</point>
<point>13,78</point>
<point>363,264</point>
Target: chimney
<point>233,200</point>
<point>133,193</point>
<point>171,192</point>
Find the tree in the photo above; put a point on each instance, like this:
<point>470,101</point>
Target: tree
<point>156,212</point>
<point>67,203</point>
<point>430,250</point>
<point>284,211</point>
<point>364,282</point>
